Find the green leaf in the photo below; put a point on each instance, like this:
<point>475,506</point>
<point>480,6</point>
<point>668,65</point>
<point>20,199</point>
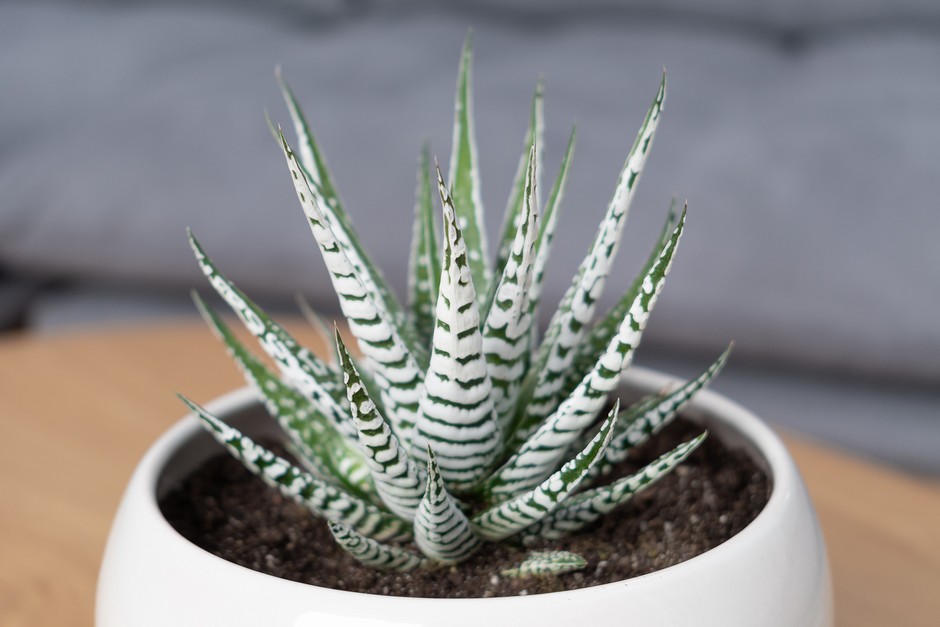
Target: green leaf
<point>305,371</point>
<point>318,496</point>
<point>375,554</point>
<point>512,516</point>
<point>425,261</point>
<point>515,207</point>
<point>380,339</point>
<point>456,414</point>
<point>547,563</point>
<point>507,327</point>
<point>465,176</point>
<point>315,439</point>
<point>549,442</point>
<point>442,531</point>
<point>589,282</point>
<point>397,479</point>
<point>589,506</point>
<point>314,167</point>
<point>319,325</point>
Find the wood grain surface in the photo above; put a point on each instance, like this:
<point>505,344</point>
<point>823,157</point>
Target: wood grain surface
<point>79,410</point>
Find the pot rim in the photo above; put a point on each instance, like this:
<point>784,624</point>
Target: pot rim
<point>742,425</point>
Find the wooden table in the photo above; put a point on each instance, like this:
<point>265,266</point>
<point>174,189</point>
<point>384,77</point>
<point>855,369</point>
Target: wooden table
<point>79,410</point>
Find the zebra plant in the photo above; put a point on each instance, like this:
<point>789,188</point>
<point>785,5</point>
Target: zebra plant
<point>455,428</point>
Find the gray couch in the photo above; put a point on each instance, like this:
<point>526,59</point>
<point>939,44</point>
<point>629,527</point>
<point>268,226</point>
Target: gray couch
<point>806,136</point>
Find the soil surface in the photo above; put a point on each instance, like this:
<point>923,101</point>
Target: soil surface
<point>709,498</point>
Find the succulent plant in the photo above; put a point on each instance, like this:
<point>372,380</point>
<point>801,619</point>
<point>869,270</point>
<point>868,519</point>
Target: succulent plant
<point>457,427</point>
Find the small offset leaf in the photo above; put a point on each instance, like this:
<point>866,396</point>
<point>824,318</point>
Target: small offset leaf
<point>512,516</point>
<point>547,563</point>
<point>588,507</point>
<point>380,338</point>
<point>441,529</point>
<point>425,260</point>
<point>465,176</point>
<point>315,440</point>
<point>456,410</point>
<point>397,479</point>
<point>319,497</point>
<point>589,283</point>
<point>319,325</point>
<point>375,554</point>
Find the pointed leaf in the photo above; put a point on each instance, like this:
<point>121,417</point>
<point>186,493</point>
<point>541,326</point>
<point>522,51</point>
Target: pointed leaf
<point>322,449</point>
<point>396,478</point>
<point>507,327</point>
<point>319,497</point>
<point>375,554</point>
<point>456,414</point>
<point>305,372</point>
<point>425,261</point>
<point>441,529</point>
<point>511,517</point>
<point>548,444</point>
<point>314,168</point>
<point>319,325</point>
<point>586,290</point>
<point>515,207</point>
<point>588,507</point>
<point>398,374</point>
<point>544,563</point>
<point>465,176</point>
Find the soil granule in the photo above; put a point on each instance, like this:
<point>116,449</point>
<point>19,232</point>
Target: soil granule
<point>712,496</point>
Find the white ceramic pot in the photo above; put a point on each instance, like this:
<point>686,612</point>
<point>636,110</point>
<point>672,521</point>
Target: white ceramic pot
<point>773,573</point>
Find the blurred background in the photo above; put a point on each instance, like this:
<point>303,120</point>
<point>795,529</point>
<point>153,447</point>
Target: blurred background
<point>806,136</point>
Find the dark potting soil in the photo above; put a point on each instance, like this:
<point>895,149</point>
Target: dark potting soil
<point>712,496</point>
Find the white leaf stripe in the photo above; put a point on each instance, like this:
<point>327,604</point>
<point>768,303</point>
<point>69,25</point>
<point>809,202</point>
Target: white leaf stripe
<point>573,322</point>
<point>542,563</point>
<point>506,331</point>
<point>398,374</point>
<point>546,447</point>
<point>319,497</point>
<point>396,477</point>
<point>305,372</point>
<point>315,169</point>
<point>588,507</point>
<point>456,408</point>
<point>321,448</point>
<point>375,554</point>
<point>424,261</point>
<point>512,516</point>
<point>465,175</point>
<point>441,530</point>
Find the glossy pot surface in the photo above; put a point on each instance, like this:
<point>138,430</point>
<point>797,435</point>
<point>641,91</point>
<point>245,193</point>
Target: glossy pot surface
<point>773,573</point>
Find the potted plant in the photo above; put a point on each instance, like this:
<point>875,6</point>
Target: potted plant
<point>457,430</point>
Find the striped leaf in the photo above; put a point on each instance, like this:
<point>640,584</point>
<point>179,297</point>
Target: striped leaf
<point>586,289</point>
<point>541,452</point>
<point>441,529</point>
<point>316,442</point>
<point>456,415</point>
<point>314,167</point>
<point>465,176</point>
<point>650,415</point>
<point>590,506</point>
<point>305,372</point>
<point>546,563</point>
<point>319,325</point>
<point>425,261</point>
<point>319,497</point>
<point>397,372</point>
<point>375,554</point>
<point>507,327</point>
<point>606,328</point>
<point>396,477</point>
<point>512,516</point>
<point>516,206</point>
<point>547,229</point>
